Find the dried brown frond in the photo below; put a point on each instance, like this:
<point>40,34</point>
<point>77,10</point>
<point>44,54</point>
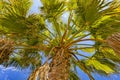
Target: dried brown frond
<point>6,48</point>
<point>114,42</point>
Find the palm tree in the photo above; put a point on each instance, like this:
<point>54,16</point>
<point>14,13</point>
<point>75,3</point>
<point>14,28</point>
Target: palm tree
<point>92,28</point>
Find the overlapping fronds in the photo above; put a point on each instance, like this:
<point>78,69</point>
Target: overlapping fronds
<point>53,8</point>
<point>14,15</point>
<point>18,7</point>
<point>24,58</point>
<point>89,24</point>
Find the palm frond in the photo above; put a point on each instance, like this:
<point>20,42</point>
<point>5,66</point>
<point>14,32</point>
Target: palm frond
<point>73,76</point>
<point>82,66</point>
<point>24,58</point>
<point>95,64</point>
<point>52,8</point>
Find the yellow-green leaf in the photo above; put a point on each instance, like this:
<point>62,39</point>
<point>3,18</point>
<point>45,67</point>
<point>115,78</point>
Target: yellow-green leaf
<point>89,50</point>
<point>99,66</point>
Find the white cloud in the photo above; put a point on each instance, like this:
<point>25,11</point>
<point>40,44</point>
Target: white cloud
<point>8,68</point>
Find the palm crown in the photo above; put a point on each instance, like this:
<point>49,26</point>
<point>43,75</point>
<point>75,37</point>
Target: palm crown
<point>92,28</point>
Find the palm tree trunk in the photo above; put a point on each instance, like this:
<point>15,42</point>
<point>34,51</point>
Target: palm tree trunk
<point>60,66</point>
<point>58,69</point>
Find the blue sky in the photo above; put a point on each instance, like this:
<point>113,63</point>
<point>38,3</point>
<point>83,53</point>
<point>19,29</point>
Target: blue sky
<point>11,73</point>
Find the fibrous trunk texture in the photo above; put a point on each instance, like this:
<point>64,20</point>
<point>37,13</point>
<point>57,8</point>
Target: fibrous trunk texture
<point>40,73</point>
<point>58,69</point>
<point>60,66</point>
<point>114,42</point>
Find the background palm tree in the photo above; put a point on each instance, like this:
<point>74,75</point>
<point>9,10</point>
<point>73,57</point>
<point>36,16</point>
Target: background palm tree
<point>62,43</point>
